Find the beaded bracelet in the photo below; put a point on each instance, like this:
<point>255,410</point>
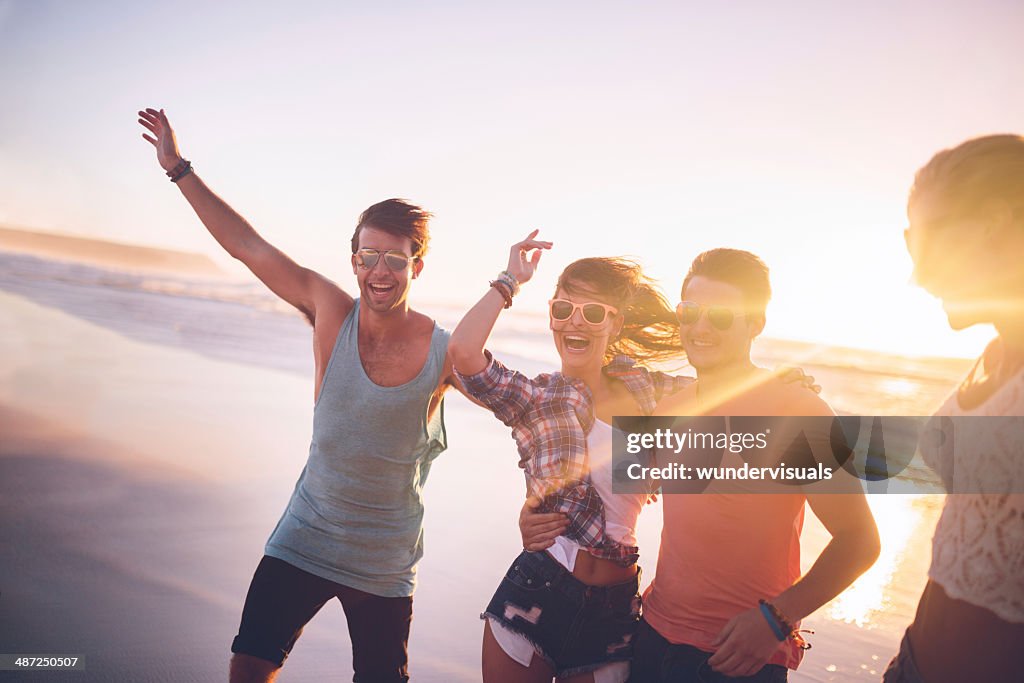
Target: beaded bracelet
<point>178,168</point>
<point>782,620</point>
<point>182,169</point>
<point>510,280</point>
<point>505,291</point>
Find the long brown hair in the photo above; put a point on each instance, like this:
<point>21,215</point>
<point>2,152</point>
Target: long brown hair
<point>650,333</point>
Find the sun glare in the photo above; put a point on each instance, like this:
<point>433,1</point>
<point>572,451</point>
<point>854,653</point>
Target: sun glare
<point>900,521</point>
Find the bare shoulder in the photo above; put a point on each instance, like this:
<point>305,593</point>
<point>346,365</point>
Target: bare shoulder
<point>329,298</point>
<point>420,325</point>
<point>796,399</point>
<point>332,307</point>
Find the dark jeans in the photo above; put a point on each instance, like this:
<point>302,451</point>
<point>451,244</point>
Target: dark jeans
<point>575,627</point>
<point>655,660</point>
<point>283,598</point>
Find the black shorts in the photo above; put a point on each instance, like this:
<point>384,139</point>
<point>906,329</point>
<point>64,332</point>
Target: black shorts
<point>283,598</point>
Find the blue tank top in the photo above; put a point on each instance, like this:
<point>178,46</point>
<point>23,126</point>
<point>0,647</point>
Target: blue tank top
<point>356,515</point>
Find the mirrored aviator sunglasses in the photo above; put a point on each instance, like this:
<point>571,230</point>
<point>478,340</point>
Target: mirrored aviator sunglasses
<point>593,312</point>
<point>720,317</point>
<point>394,260</point>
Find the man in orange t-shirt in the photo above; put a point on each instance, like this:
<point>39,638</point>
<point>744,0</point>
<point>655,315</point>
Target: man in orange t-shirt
<point>724,550</point>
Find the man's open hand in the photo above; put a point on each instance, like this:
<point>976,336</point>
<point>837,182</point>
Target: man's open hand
<point>166,146</point>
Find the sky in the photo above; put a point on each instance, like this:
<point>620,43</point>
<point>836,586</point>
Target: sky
<point>653,130</point>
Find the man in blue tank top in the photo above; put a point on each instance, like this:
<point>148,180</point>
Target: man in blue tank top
<point>353,527</point>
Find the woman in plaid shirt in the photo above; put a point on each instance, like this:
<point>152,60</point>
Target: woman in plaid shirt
<point>576,604</point>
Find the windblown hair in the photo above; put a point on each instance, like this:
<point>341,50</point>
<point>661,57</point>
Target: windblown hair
<point>974,175</point>
<point>400,218</point>
<point>741,269</point>
<point>650,332</point>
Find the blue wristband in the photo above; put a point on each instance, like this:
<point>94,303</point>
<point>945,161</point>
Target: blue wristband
<point>772,622</point>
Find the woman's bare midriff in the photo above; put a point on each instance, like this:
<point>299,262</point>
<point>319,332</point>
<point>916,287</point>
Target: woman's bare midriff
<point>596,571</point>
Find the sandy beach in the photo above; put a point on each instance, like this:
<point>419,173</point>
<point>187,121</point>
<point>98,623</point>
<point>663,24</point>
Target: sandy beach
<point>152,432</point>
<point>138,485</point>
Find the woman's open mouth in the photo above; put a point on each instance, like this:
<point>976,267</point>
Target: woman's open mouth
<point>576,343</point>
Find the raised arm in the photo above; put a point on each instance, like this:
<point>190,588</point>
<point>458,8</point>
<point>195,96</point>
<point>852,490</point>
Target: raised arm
<point>301,287</point>
<point>466,346</point>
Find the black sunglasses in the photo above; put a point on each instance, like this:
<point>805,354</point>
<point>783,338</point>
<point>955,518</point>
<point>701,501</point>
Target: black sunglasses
<point>720,317</point>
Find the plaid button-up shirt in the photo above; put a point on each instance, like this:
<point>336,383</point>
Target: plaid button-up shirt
<point>551,416</point>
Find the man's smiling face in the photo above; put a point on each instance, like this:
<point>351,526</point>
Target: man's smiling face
<point>709,347</point>
<point>380,288</point>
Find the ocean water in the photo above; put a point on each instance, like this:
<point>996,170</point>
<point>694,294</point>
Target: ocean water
<point>475,490</point>
<point>241,321</point>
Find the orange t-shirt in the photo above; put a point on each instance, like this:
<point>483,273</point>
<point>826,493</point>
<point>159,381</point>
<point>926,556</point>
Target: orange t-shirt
<point>722,552</point>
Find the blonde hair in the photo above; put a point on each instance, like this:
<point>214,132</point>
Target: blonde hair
<point>973,176</point>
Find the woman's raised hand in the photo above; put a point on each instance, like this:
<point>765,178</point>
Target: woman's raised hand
<point>524,257</point>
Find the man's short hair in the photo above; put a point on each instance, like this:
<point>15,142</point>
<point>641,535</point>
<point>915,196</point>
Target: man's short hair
<point>741,269</point>
<point>400,218</point>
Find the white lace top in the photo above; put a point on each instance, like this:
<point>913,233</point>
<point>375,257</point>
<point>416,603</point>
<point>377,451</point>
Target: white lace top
<point>978,547</point>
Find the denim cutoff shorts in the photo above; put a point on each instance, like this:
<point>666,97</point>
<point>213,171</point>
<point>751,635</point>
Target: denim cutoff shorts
<point>575,627</point>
